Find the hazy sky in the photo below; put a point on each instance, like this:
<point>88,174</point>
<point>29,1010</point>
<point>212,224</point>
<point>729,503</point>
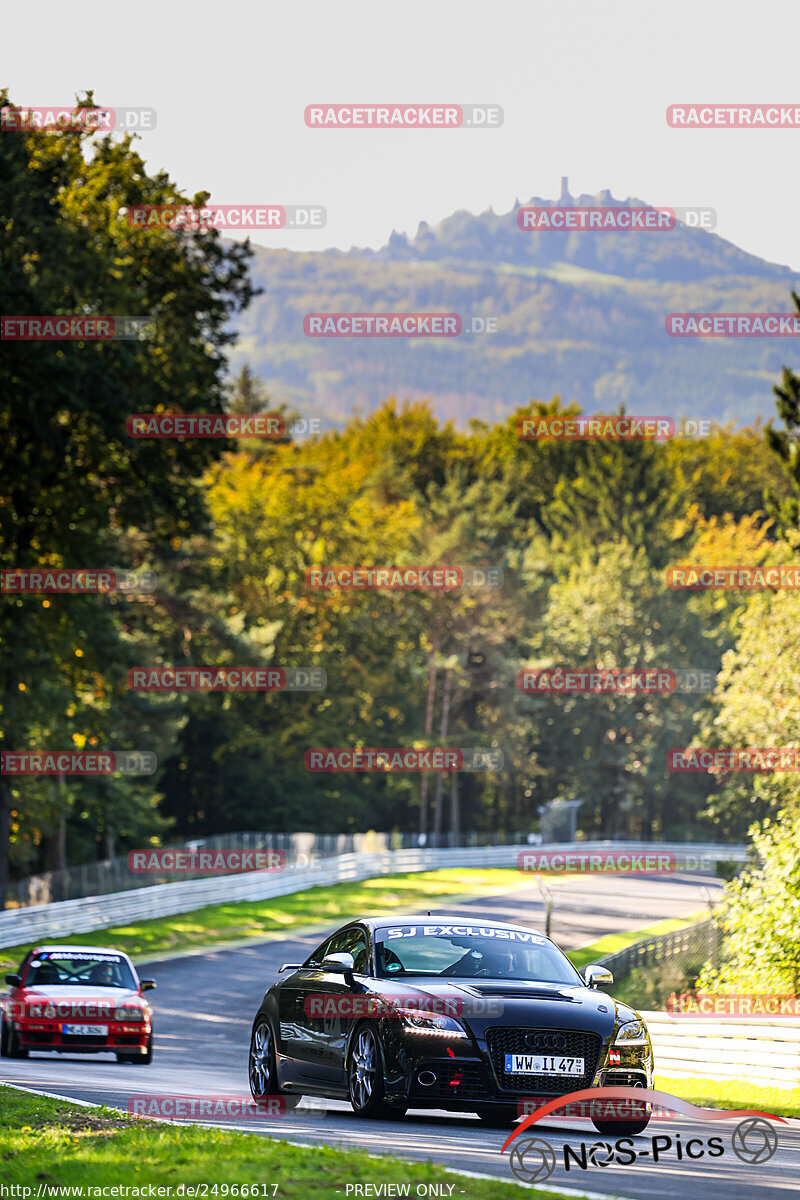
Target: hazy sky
<point>584,87</point>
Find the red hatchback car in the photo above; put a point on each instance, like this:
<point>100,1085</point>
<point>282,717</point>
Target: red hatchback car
<point>85,999</point>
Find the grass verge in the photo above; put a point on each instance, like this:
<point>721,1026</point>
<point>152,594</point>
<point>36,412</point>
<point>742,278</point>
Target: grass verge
<point>618,941</point>
<point>718,1093</point>
<point>51,1142</point>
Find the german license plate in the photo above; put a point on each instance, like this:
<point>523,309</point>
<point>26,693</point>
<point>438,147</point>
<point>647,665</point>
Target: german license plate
<point>85,1030</point>
<point>542,1064</point>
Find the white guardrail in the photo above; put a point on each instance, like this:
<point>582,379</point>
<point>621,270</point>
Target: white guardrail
<point>757,1050</point>
<point>22,926</point>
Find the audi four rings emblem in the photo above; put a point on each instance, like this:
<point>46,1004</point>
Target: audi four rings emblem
<point>545,1041</point>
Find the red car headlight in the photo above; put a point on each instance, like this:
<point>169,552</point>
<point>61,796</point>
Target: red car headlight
<point>129,1012</point>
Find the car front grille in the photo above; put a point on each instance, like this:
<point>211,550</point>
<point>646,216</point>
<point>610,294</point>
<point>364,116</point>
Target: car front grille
<point>577,1044</point>
<point>83,1039</point>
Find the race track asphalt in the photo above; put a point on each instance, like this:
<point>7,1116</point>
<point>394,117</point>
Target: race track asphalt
<point>205,1003</point>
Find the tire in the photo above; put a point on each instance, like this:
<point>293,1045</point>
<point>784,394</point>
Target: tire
<point>498,1118</point>
<point>261,1071</point>
<point>625,1128</point>
<point>3,1040</point>
<point>15,1050</point>
<point>140,1059</point>
<point>365,1083</point>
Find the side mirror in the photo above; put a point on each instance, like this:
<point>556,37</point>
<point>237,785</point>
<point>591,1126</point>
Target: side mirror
<point>289,967</point>
<point>596,976</point>
<point>147,985</point>
<point>339,964</point>
<point>14,980</point>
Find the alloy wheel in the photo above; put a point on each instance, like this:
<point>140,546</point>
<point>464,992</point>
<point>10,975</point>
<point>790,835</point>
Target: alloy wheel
<point>261,1060</point>
<point>363,1067</point>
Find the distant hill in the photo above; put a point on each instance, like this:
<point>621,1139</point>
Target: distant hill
<point>579,314</point>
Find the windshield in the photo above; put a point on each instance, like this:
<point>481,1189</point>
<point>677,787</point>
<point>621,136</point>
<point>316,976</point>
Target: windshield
<point>471,952</point>
<point>80,970</point>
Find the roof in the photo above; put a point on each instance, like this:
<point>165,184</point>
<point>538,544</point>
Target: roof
<point>55,948</point>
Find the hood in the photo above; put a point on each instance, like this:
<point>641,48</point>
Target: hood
<point>482,1003</point>
<point>63,1001</point>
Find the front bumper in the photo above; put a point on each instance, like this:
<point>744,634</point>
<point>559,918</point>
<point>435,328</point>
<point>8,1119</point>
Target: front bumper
<point>467,1072</point>
<point>122,1037</point>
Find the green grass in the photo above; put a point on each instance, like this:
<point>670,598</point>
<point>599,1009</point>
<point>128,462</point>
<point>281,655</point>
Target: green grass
<point>52,1142</point>
<point>223,923</point>
<point>618,941</point>
<point>719,1093</point>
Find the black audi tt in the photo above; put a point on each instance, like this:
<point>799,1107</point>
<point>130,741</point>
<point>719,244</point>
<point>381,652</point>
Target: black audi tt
<point>441,1012</point>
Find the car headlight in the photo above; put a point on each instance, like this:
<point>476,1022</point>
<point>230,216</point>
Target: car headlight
<point>129,1012</point>
<point>632,1033</point>
<point>430,1023</point>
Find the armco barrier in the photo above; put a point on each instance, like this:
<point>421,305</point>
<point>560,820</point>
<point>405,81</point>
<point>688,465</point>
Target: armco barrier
<point>48,921</point>
<point>760,1050</point>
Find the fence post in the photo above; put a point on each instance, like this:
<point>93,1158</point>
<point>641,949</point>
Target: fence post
<point>548,905</point>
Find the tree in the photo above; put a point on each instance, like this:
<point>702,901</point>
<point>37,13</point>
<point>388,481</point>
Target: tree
<point>756,706</point>
<point>75,489</point>
<point>608,608</point>
<point>760,915</point>
<point>786,443</point>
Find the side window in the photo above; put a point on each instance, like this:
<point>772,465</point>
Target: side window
<point>354,942</point>
<point>348,941</point>
<point>315,959</point>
